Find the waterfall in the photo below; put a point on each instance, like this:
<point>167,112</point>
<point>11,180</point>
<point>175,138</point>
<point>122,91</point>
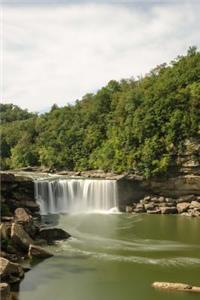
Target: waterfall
<point>75,195</point>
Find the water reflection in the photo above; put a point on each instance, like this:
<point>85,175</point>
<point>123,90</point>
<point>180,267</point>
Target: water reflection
<point>114,257</point>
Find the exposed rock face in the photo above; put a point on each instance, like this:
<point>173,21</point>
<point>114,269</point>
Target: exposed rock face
<point>18,191</point>
<point>7,177</point>
<point>177,186</point>
<point>20,237</point>
<point>52,234</point>
<point>8,270</point>
<point>130,190</point>
<point>38,252</point>
<point>5,291</point>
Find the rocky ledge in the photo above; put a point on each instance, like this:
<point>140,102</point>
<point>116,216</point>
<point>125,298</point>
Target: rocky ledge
<point>23,238</point>
<point>186,205</point>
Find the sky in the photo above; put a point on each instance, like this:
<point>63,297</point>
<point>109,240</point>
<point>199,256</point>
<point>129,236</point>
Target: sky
<point>57,51</point>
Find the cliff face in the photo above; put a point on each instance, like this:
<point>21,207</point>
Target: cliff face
<point>186,179</point>
<point>183,180</point>
<point>17,191</point>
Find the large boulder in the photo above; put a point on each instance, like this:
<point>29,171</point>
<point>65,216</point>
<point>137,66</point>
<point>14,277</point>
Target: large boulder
<point>176,286</point>
<point>168,210</point>
<point>38,252</point>
<point>195,205</point>
<point>188,198</point>
<point>21,216</point>
<point>52,234</point>
<point>150,206</point>
<point>139,208</point>
<point>5,231</point>
<point>183,207</point>
<point>5,291</point>
<point>20,237</point>
<point>8,270</point>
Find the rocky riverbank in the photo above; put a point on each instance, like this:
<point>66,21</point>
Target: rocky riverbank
<point>23,238</point>
<point>186,205</point>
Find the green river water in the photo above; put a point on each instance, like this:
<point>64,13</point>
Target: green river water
<point>116,257</point>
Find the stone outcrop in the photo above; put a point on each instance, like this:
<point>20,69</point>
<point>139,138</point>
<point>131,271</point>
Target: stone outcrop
<point>176,186</point>
<point>21,216</point>
<point>20,237</point>
<point>171,286</point>
<point>183,207</point>
<point>38,252</point>
<point>4,291</point>
<point>52,234</point>
<point>17,191</point>
<point>10,271</point>
<point>5,229</point>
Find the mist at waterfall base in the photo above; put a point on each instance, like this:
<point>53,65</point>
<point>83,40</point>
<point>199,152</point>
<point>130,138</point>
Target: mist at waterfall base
<point>76,196</point>
<point>112,256</point>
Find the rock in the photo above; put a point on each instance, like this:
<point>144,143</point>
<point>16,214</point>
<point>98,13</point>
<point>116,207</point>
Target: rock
<point>154,211</point>
<point>39,252</point>
<point>168,210</point>
<point>188,198</point>
<point>5,291</point>
<point>9,269</point>
<point>161,199</point>
<point>31,205</point>
<point>3,254</point>
<point>20,237</point>
<point>154,199</point>
<point>6,219</point>
<point>21,216</point>
<point>11,257</point>
<point>176,186</point>
<point>147,199</point>
<point>7,177</point>
<point>195,204</point>
<point>192,213</point>
<point>149,206</point>
<point>182,207</point>
<point>4,231</point>
<point>182,287</point>
<point>167,204</point>
<point>52,234</point>
<point>170,201</point>
<point>129,209</point>
<point>139,208</point>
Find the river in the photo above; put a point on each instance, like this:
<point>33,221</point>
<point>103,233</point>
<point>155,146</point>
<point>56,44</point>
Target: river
<point>117,256</point>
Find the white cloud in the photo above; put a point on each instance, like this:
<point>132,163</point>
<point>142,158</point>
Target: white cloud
<point>56,54</point>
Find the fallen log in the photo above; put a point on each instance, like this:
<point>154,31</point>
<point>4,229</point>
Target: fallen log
<point>173,286</point>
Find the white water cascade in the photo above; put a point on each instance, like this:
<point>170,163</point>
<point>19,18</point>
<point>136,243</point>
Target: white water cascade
<point>76,195</point>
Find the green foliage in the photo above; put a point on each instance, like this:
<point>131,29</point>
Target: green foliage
<point>127,126</point>
<point>11,113</point>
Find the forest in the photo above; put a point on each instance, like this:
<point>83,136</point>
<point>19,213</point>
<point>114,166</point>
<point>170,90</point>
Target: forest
<point>133,125</point>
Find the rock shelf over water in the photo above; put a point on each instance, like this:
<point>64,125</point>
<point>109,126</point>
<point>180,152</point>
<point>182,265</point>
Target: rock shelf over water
<point>181,287</point>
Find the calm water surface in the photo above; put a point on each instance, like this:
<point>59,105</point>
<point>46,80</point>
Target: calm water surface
<point>117,256</point>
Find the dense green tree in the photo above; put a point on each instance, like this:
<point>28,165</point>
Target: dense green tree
<point>127,126</point>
